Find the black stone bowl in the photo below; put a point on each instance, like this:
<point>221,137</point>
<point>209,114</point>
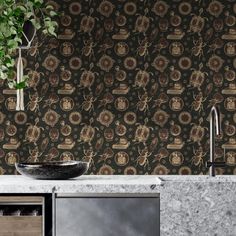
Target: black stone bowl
<point>53,170</point>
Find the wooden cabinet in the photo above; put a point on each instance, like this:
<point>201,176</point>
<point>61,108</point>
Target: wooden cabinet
<point>18,217</point>
<point>21,226</point>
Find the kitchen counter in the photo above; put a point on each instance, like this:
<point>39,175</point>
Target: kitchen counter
<point>112,183</point>
<point>84,184</point>
<point>190,205</point>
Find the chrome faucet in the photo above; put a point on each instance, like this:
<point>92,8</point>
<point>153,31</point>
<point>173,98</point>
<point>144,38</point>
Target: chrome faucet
<point>215,128</point>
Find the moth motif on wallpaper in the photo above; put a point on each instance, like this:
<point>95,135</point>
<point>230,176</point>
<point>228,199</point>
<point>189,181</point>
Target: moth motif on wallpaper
<point>127,86</point>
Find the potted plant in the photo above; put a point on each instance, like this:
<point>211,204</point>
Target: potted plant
<point>19,21</point>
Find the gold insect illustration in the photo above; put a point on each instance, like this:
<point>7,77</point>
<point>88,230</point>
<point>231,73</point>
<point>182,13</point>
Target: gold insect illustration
<point>88,102</point>
<point>198,47</point>
<point>197,104</point>
<point>144,154</point>
<point>142,104</point>
<point>89,155</point>
<point>87,49</point>
<point>33,51</point>
<point>197,159</point>
<point>142,49</point>
<point>33,104</point>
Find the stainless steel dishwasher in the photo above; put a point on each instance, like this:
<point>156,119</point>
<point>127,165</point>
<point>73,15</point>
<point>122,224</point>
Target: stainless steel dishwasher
<point>107,214</point>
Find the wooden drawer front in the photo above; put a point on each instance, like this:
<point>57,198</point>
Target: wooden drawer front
<point>21,199</point>
<point>21,226</point>
<point>20,234</point>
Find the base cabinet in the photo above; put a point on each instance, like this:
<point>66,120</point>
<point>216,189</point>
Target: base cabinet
<point>107,215</point>
<point>21,226</point>
<point>26,215</point>
<point>21,215</point>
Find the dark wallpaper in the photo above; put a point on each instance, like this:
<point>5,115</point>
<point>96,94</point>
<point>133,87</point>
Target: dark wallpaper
<point>128,86</point>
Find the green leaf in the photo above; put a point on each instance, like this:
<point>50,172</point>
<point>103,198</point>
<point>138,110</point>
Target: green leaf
<point>38,1</point>
<point>2,53</point>
<point>28,15</point>
<point>12,44</point>
<point>11,84</point>
<point>20,85</point>
<point>19,40</point>
<point>38,4</point>
<point>3,75</point>
<point>45,31</point>
<point>52,13</point>
<point>49,7</point>
<point>22,8</point>
<point>36,24</point>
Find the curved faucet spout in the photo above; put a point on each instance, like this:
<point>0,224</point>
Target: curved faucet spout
<point>215,114</point>
<point>215,127</point>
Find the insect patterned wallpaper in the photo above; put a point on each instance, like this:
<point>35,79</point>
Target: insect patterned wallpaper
<point>128,86</point>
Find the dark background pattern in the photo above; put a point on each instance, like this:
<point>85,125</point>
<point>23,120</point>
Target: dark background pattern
<point>128,86</point>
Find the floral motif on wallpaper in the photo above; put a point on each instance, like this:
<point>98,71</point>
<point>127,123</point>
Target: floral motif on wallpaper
<point>128,86</point>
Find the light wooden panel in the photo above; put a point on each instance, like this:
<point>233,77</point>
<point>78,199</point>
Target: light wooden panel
<point>21,226</point>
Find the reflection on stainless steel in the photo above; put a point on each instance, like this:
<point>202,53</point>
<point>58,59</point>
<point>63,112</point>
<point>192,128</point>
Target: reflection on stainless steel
<point>106,216</point>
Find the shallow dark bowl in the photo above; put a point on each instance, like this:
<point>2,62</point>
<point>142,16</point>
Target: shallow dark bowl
<point>53,170</point>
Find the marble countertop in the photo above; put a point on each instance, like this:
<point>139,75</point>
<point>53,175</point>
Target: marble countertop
<point>189,205</point>
<point>83,184</point>
<point>103,184</point>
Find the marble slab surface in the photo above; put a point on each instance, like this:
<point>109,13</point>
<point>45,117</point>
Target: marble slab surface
<point>198,205</point>
<point>83,184</point>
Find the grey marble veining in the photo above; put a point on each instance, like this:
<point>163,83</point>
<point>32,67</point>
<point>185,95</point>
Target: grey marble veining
<point>190,205</point>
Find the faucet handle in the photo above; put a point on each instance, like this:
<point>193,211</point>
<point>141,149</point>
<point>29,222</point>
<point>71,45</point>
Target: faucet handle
<point>220,164</point>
